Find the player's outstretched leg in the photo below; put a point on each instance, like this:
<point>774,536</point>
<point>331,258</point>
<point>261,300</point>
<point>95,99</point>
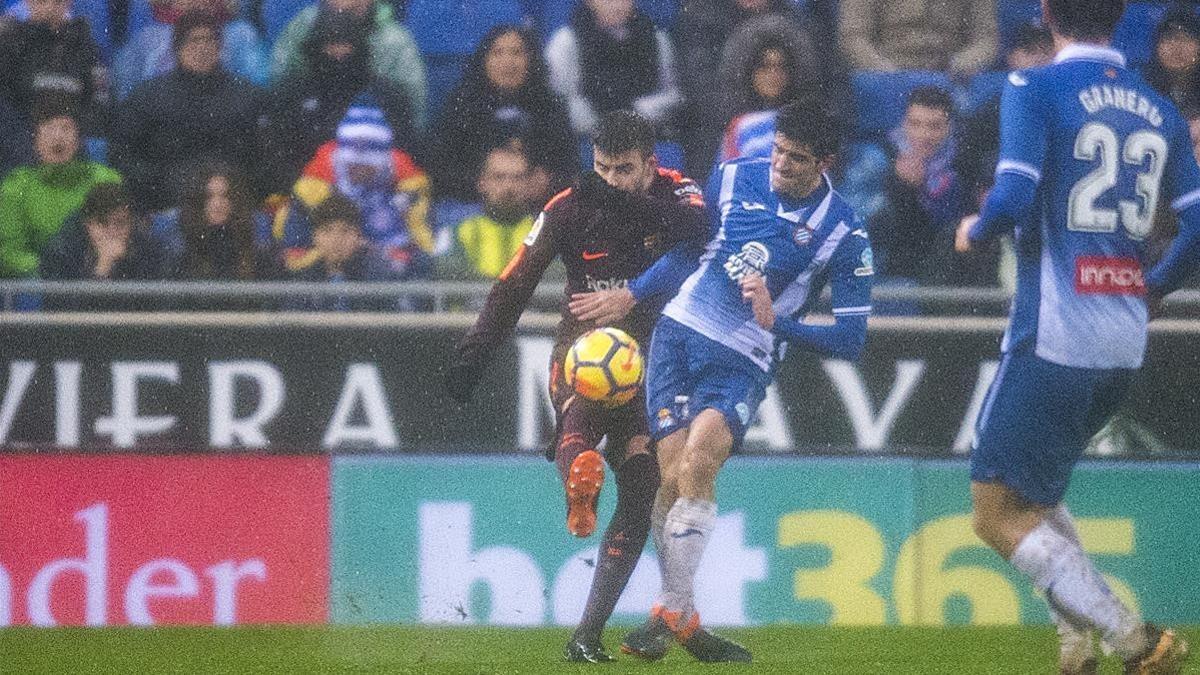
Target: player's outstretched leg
<point>585,478</point>
<point>1076,648</point>
<point>1058,567</point>
<point>637,482</point>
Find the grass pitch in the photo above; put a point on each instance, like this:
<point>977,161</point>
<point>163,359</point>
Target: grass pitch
<point>777,649</point>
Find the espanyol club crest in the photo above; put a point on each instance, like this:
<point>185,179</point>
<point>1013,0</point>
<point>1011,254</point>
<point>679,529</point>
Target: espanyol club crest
<point>802,235</point>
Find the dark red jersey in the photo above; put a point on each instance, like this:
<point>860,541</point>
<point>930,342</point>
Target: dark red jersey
<point>601,247</point>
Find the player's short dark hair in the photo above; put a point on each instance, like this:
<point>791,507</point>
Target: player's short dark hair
<point>1085,19</point>
<point>808,121</point>
<point>103,200</point>
<point>624,130</point>
<point>336,207</point>
<point>931,97</point>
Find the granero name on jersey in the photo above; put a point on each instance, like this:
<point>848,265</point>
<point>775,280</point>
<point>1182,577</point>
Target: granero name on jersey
<point>1095,99</point>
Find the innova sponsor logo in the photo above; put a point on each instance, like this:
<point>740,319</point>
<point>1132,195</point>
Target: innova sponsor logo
<point>163,540</point>
<point>1099,275</point>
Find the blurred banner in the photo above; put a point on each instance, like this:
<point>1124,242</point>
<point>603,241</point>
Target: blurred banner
<point>338,388</point>
<point>144,540</point>
<point>843,541</point>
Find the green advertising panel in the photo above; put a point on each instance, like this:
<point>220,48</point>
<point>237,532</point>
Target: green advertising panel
<point>846,541</point>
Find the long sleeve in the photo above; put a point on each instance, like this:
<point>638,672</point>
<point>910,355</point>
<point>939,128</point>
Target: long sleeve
<point>16,258</point>
<point>562,61</point>
<point>1182,181</point>
<point>509,296</point>
<point>657,106</point>
<point>1023,144</point>
<point>395,57</point>
<point>285,55</point>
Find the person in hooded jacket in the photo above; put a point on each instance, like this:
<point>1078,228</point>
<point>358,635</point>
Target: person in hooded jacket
<point>306,108</point>
<point>1174,68</point>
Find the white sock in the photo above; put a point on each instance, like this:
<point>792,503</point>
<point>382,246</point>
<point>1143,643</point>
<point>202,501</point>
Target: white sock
<point>688,526</point>
<point>1075,590</point>
<point>658,516</point>
<point>1074,642</point>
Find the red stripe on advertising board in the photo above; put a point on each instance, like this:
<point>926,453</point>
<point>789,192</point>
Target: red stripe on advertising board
<point>123,539</point>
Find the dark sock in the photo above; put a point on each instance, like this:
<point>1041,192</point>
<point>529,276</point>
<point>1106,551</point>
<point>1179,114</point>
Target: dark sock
<point>637,483</point>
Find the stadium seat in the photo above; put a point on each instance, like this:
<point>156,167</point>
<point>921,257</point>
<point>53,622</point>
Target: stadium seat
<point>1135,33</point>
<point>1011,15</point>
<point>140,16</point>
<point>983,88</point>
<point>879,98</point>
<point>442,27</point>
<point>277,14</point>
<point>442,73</point>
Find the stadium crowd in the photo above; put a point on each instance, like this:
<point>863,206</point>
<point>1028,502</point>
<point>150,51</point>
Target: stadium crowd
<point>374,140</point>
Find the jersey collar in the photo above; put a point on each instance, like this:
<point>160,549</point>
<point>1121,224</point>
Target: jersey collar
<point>816,212</point>
<point>1082,52</point>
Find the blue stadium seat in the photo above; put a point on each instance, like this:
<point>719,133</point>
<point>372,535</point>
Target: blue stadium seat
<point>1011,15</point>
<point>442,73</point>
<point>983,88</point>
<point>140,16</point>
<point>556,13</point>
<point>879,98</point>
<point>1135,33</point>
<point>444,27</point>
<point>277,14</point>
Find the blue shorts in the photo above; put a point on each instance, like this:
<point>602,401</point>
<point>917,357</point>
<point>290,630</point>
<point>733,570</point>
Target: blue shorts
<point>684,363</point>
<point>1037,420</point>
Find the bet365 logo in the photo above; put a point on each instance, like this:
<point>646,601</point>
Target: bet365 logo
<point>752,258</point>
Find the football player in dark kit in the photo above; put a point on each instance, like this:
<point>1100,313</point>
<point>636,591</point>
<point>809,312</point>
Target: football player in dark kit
<point>609,229</point>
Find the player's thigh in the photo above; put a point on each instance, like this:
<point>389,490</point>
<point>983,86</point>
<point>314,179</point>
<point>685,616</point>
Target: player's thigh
<point>668,382</point>
<point>734,390</point>
<point>1033,427</point>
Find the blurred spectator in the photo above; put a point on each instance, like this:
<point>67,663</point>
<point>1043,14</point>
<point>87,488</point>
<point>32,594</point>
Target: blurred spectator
<point>912,234</point>
<point>341,253</point>
<point>611,57</point>
<point>392,54</point>
<point>103,242</point>
<point>479,244</point>
<point>16,142</point>
<point>194,113</point>
<point>388,188</point>
<point>766,63</point>
<point>307,107</point>
<point>700,34</point>
<point>1174,68</point>
<point>958,37</point>
<point>36,200</point>
<point>503,98</point>
<point>52,56</point>
<point>150,52</point>
<point>216,233</point>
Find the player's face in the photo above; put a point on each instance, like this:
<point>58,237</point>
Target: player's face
<point>795,168</point>
<point>926,128</point>
<point>630,171</point>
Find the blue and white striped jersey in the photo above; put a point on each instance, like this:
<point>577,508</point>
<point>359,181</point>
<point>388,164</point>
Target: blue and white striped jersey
<point>1104,150</point>
<point>800,246</point>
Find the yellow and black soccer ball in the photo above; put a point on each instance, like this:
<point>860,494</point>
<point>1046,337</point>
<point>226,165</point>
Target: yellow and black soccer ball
<point>605,365</point>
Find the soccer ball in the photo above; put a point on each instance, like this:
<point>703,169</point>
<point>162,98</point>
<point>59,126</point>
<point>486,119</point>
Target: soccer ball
<point>605,365</point>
